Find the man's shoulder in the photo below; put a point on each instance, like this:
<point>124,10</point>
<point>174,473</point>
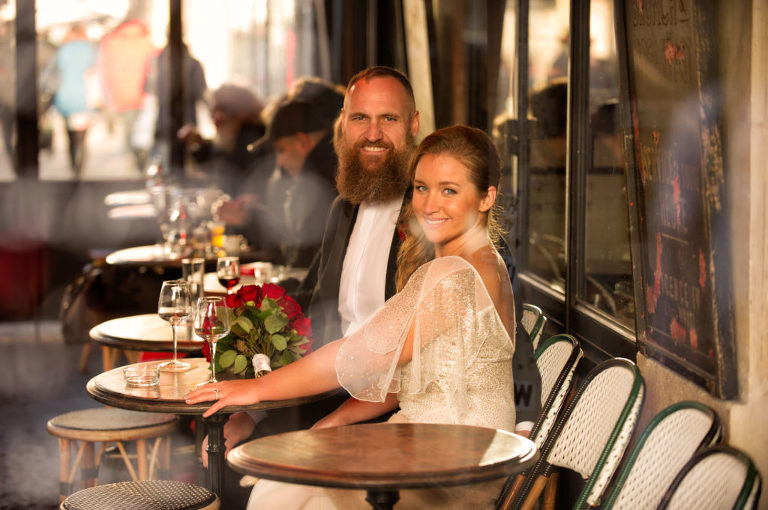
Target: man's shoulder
<point>342,206</point>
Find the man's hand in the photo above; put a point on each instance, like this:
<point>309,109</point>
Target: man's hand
<point>189,135</point>
<point>239,427</point>
<point>235,212</point>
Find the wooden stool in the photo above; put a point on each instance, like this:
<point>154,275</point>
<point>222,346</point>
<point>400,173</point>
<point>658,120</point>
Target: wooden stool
<point>108,425</point>
<point>145,494</point>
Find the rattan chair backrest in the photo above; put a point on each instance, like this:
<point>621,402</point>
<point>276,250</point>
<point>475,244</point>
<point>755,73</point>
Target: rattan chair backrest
<point>669,440</point>
<point>594,430</point>
<point>533,320</point>
<point>718,477</point>
<point>556,359</point>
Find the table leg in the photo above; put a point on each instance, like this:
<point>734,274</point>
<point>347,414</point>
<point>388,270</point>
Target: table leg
<point>382,500</point>
<point>216,461</point>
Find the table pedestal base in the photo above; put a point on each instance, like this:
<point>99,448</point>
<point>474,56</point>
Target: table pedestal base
<point>382,500</point>
<point>215,426</point>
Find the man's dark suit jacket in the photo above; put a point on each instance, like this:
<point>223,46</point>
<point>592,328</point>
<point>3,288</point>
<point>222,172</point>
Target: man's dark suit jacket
<point>319,292</point>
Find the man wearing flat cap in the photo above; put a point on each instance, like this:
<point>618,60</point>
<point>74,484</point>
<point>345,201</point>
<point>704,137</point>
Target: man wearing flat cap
<point>304,152</point>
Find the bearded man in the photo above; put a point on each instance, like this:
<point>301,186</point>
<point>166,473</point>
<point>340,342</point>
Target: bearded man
<point>354,272</point>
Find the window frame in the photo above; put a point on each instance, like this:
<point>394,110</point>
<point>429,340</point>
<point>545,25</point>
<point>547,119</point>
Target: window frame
<point>601,335</point>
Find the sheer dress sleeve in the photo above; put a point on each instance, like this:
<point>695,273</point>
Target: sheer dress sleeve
<point>443,300</point>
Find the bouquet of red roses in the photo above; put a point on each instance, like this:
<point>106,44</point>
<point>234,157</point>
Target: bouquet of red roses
<point>268,330</point>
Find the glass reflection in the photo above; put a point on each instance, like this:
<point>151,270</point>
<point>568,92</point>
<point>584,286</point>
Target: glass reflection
<point>608,265</point>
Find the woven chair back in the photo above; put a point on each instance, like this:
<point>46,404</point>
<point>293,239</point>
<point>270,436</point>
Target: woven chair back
<point>719,477</point>
<point>670,439</point>
<point>533,320</point>
<point>556,359</point>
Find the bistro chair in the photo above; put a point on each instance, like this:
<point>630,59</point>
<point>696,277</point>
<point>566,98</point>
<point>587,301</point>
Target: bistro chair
<point>719,477</point>
<point>533,320</point>
<point>143,494</point>
<point>109,425</point>
<point>591,434</point>
<point>670,439</point>
<point>556,359</point>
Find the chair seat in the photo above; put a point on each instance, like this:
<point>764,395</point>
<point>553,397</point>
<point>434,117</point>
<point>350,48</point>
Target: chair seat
<point>109,424</point>
<point>146,494</point>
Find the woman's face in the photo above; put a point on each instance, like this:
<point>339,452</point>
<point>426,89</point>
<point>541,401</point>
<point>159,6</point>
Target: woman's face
<point>446,202</point>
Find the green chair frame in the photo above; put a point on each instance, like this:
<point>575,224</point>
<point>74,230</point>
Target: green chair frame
<point>556,359</point>
<point>591,435</point>
<point>669,440</point>
<point>718,477</point>
<point>533,320</point>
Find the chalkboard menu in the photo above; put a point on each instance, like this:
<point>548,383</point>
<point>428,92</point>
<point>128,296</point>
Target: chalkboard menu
<point>678,192</point>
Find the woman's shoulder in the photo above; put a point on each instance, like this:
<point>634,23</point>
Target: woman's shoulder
<point>443,266</point>
<point>444,272</point>
<point>482,262</point>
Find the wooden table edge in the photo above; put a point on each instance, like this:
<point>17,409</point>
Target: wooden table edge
<point>181,407</point>
<point>387,481</point>
<point>143,345</point>
<point>405,481</point>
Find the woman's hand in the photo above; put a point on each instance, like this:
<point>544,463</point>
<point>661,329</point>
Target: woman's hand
<point>225,393</point>
<point>311,375</point>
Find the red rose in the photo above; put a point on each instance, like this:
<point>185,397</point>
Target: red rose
<point>303,326</point>
<point>233,301</point>
<point>273,291</point>
<point>251,293</point>
<point>290,307</point>
<point>207,351</point>
<point>208,325</point>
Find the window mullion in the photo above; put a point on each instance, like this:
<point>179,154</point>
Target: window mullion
<point>578,152</point>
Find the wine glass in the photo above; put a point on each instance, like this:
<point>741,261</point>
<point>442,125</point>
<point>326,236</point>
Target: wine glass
<point>174,305</point>
<point>228,272</point>
<point>211,324</point>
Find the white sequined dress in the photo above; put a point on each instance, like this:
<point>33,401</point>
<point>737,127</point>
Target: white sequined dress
<point>460,372</point>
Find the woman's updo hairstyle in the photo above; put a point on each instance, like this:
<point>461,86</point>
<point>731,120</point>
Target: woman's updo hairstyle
<point>475,150</point>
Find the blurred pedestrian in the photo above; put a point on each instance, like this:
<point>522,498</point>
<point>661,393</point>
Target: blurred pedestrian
<point>77,94</point>
<point>159,85</point>
<point>124,58</point>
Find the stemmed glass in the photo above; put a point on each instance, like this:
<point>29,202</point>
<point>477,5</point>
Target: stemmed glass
<point>228,272</point>
<point>174,305</point>
<point>212,324</point>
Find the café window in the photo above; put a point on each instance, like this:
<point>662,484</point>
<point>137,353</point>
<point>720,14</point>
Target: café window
<point>569,208</point>
<point>99,104</point>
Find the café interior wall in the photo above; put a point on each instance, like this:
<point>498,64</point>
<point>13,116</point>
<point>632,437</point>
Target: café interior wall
<point>743,72</point>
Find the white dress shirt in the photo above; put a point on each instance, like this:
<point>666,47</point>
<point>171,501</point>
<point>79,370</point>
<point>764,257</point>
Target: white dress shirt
<point>364,272</point>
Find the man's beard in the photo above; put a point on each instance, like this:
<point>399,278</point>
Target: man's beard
<point>356,184</point>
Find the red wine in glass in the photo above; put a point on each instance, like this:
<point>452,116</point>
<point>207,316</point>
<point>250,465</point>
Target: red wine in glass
<point>228,272</point>
<point>230,282</point>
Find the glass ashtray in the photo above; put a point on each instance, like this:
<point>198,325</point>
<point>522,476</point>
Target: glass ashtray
<point>141,375</point>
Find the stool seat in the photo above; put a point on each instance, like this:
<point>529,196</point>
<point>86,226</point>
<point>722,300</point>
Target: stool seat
<point>146,494</point>
<point>109,425</point>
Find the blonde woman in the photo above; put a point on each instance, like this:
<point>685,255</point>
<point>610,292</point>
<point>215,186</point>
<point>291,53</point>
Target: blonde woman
<point>440,349</point>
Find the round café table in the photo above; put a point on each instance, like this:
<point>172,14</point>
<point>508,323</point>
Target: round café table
<point>252,274</point>
<point>128,197</point>
<point>145,332</point>
<point>152,254</point>
<point>168,397</point>
<point>383,458</point>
